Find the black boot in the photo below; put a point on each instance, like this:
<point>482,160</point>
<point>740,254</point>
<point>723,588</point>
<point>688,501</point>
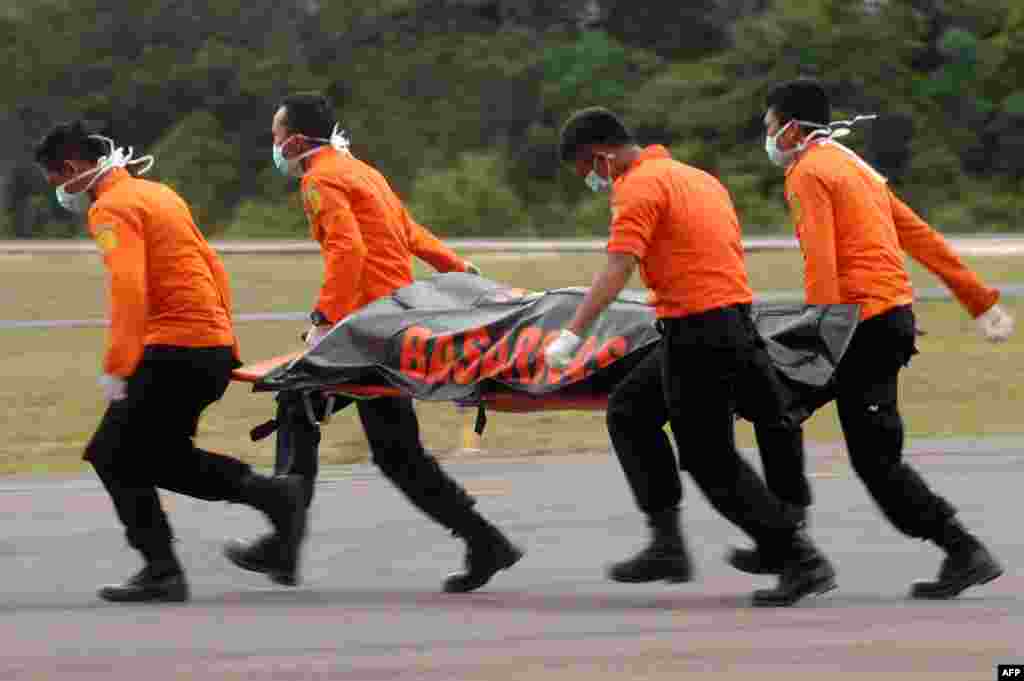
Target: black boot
<point>805,572</point>
<point>162,582</point>
<point>967,563</point>
<point>664,558</point>
<point>753,561</point>
<point>488,551</point>
<point>283,500</point>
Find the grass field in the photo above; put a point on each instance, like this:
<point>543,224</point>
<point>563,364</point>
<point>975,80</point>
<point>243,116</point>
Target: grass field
<point>959,385</point>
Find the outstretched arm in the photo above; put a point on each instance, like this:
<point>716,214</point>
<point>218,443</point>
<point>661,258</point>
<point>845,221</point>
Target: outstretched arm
<point>608,283</point>
<point>427,247</point>
<point>930,248</point>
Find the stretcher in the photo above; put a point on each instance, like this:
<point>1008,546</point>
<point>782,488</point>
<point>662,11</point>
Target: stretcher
<point>500,401</point>
<point>468,340</point>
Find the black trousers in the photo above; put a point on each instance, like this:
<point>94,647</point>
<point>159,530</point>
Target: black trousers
<point>866,393</point>
<point>144,442</point>
<point>393,432</point>
<point>694,381</point>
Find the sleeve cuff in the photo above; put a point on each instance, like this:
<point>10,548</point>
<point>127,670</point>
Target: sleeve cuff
<point>634,248</point>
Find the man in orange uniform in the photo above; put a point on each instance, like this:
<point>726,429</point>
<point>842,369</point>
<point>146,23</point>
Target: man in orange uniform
<point>171,352</point>
<point>853,231</point>
<point>368,240</point>
<point>679,225</point>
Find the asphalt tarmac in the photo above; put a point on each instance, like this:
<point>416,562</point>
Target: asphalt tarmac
<point>369,608</point>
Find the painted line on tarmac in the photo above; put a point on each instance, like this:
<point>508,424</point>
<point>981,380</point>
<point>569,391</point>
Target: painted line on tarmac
<point>927,294</point>
<point>87,323</point>
<point>973,244</point>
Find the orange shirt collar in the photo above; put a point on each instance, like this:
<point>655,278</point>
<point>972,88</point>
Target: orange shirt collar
<point>648,153</point>
<point>813,145</point>
<point>319,157</point>
<point>104,184</point>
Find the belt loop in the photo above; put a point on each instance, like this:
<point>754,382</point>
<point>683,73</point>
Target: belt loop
<point>307,403</point>
<point>328,409</point>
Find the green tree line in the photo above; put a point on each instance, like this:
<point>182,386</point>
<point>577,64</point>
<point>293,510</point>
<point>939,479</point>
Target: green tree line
<point>459,102</point>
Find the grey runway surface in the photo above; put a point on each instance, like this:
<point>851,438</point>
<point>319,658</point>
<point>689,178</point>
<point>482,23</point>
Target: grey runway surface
<point>369,608</point>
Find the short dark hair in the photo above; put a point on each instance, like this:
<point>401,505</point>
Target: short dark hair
<point>309,114</point>
<point>593,125</point>
<point>803,99</point>
<point>72,141</point>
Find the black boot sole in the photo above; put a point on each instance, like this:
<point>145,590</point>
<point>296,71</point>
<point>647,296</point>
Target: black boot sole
<point>680,576</point>
<point>771,598</point>
<point>464,583</point>
<point>980,574</point>
<point>117,594</point>
<point>285,576</point>
<point>235,552</point>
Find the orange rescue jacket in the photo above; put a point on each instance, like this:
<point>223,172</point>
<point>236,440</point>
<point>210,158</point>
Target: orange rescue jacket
<point>681,225</point>
<point>853,231</point>
<point>366,235</point>
<point>167,286</point>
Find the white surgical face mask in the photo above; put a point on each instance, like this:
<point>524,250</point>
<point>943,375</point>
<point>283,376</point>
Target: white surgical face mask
<point>292,167</point>
<point>595,181</point>
<point>778,156</point>
<point>80,201</point>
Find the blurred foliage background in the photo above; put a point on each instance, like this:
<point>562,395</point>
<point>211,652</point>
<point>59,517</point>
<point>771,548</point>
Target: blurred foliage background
<point>459,102</point>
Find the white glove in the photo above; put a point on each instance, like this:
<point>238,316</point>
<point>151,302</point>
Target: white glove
<point>472,269</point>
<point>315,335</point>
<point>996,324</point>
<point>560,351</point>
<point>114,387</point>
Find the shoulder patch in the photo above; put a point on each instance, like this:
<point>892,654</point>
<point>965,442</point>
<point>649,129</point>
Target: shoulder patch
<point>794,207</point>
<point>105,237</point>
<point>311,199</point>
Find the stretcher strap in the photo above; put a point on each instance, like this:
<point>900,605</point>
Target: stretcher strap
<point>481,419</point>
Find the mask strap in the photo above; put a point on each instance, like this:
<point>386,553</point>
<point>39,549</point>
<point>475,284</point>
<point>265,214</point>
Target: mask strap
<point>148,160</point>
<point>125,159</point>
<point>835,128</point>
<point>116,158</point>
<point>783,129</point>
<point>339,140</point>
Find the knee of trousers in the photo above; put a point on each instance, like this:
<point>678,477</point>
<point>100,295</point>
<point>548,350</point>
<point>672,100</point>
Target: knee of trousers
<point>394,447</point>
<point>407,466</point>
<point>420,476</point>
<point>874,434</point>
<point>138,508</point>
<point>715,466</point>
<point>119,470</point>
<point>623,415</point>
<point>784,439</point>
